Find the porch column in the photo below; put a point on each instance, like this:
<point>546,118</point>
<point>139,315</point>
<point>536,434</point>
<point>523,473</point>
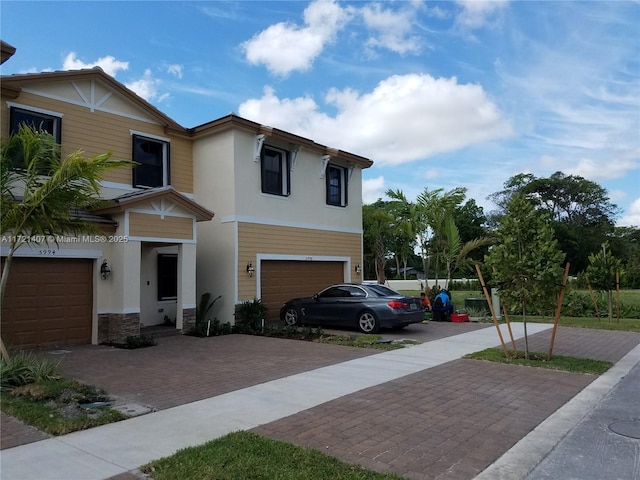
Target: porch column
<point>186,302</point>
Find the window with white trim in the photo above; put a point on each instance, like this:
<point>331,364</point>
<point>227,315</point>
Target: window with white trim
<point>152,156</point>
<point>37,120</point>
<point>337,186</point>
<point>274,165</point>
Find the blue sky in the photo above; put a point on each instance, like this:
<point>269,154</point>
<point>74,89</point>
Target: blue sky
<point>438,94</point>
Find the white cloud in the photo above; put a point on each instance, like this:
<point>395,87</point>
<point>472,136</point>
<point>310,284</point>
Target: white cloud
<point>632,218</point>
<point>373,189</point>
<point>286,47</point>
<point>147,87</point>
<point>109,64</point>
<point>478,13</point>
<point>175,69</point>
<point>393,28</point>
<point>405,118</point>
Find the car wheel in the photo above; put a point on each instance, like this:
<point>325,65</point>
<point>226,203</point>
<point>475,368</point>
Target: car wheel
<point>291,317</point>
<point>368,323</point>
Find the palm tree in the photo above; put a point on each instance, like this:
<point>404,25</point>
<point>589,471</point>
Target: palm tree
<point>456,253</point>
<point>434,207</point>
<point>40,191</point>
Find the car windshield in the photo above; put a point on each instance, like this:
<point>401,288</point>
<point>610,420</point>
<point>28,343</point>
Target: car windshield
<point>383,291</point>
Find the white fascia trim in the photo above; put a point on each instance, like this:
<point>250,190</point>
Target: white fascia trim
<point>303,258</point>
<point>277,223</point>
<point>34,109</point>
<point>128,188</point>
<point>149,135</point>
<point>162,240</point>
<point>51,252</point>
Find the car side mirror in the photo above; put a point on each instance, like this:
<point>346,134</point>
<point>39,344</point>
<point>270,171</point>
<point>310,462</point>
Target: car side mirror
<point>315,297</point>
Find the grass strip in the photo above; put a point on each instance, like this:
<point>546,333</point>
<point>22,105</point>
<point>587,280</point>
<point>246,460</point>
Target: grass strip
<point>362,341</point>
<point>55,407</point>
<point>247,456</point>
<point>557,362</point>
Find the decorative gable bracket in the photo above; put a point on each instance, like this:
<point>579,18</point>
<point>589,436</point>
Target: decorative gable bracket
<point>325,161</point>
<point>260,138</point>
<point>352,167</point>
<point>295,149</point>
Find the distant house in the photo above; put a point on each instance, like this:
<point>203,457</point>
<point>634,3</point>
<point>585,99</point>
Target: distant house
<point>288,216</point>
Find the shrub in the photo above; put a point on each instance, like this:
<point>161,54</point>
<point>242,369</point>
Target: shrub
<point>139,341</point>
<point>249,315</point>
<point>24,368</point>
<point>202,318</point>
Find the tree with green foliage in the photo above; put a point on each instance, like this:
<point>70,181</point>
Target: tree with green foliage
<point>456,253</point>
<point>472,223</point>
<point>404,239</point>
<point>625,245</point>
<point>525,262</point>
<point>435,206</point>
<point>603,271</point>
<point>41,191</point>
<point>579,210</point>
<point>377,225</point>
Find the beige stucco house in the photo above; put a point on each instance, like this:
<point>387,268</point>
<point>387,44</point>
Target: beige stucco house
<point>288,216</point>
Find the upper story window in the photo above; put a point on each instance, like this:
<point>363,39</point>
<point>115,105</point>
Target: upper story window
<point>275,171</point>
<point>336,186</point>
<point>152,155</point>
<point>38,120</point>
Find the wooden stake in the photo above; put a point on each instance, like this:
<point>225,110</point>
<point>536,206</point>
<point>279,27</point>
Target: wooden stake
<point>593,297</point>
<point>493,313</point>
<point>618,294</point>
<point>558,310</point>
<point>513,342</point>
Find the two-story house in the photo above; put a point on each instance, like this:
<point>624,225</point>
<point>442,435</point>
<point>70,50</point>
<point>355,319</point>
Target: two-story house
<point>89,289</point>
<point>288,216</point>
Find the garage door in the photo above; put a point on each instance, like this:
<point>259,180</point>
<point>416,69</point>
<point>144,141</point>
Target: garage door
<point>283,280</point>
<point>48,302</point>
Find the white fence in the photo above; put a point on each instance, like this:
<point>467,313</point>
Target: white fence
<point>415,284</point>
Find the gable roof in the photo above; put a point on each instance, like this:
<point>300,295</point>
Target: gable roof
<point>12,85</point>
<point>6,51</point>
<point>129,200</point>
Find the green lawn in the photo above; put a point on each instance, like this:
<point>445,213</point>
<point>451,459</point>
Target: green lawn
<point>247,456</point>
<point>557,362</point>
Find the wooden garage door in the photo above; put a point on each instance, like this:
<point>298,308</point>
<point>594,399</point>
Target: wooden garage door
<point>282,280</point>
<point>48,302</point>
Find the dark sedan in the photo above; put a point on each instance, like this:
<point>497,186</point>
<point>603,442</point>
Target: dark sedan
<point>368,307</point>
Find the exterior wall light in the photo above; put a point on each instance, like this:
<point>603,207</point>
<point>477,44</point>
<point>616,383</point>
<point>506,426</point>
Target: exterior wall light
<point>105,271</point>
<point>250,269</point>
<point>358,269</point>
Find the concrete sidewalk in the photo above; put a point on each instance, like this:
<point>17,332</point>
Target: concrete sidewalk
<point>405,377</point>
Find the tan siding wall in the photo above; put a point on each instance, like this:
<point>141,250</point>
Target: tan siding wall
<point>99,132</point>
<point>254,239</point>
<point>152,226</point>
